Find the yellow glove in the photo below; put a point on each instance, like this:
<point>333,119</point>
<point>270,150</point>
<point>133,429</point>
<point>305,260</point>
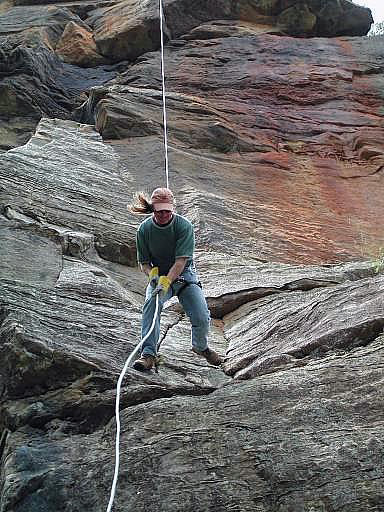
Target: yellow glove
<point>162,286</point>
<point>153,277</point>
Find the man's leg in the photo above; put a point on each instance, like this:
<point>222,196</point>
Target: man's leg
<point>193,301</point>
<point>149,308</point>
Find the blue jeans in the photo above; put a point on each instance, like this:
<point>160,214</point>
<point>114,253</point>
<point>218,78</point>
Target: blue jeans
<point>193,301</point>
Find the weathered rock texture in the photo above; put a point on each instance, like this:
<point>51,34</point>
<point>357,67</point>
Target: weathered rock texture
<point>301,122</point>
<point>34,82</point>
<point>130,28</point>
<point>277,157</point>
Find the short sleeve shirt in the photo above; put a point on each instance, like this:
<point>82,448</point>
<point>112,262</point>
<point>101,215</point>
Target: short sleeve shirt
<point>161,245</point>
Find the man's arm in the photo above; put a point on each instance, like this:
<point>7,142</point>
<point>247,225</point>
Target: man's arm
<point>177,268</point>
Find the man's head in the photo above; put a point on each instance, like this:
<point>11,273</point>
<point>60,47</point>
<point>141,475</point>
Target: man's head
<point>162,199</point>
<point>163,204</point>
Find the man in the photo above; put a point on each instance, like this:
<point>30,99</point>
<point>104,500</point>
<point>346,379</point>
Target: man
<point>165,246</point>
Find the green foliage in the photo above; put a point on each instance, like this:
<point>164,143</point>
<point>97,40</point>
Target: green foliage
<point>377,29</point>
<point>372,250</point>
<point>379,261</point>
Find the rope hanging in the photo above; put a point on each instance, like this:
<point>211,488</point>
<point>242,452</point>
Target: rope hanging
<point>117,407</point>
<point>133,354</point>
<point>163,91</point>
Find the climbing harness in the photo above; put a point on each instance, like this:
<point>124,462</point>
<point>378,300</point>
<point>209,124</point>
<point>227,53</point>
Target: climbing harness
<point>184,283</point>
<point>138,347</point>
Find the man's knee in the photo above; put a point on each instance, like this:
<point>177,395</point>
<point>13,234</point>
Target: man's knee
<point>201,318</point>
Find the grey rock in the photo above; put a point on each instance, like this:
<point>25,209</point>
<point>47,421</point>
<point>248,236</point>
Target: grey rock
<point>15,132</point>
<point>18,18</point>
<point>293,328</point>
<point>229,28</point>
<point>34,82</point>
<point>21,254</point>
<point>295,423</point>
<point>58,335</point>
<point>73,243</point>
<point>122,111</point>
<point>61,317</point>
<point>90,167</point>
<point>344,18</point>
<point>80,8</point>
<point>294,440</point>
<point>230,281</point>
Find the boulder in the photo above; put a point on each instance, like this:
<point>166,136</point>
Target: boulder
<point>297,20</point>
<point>22,19</point>
<point>123,111</point>
<point>228,28</point>
<point>15,131</point>
<point>77,47</point>
<point>35,82</point>
<point>343,18</point>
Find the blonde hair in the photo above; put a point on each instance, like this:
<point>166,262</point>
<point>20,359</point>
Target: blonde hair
<point>141,204</point>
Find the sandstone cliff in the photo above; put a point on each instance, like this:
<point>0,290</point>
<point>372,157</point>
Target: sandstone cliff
<point>276,138</point>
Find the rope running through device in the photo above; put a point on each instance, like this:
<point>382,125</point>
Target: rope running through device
<point>139,345</point>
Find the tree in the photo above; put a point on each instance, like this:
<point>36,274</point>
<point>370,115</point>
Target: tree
<point>377,29</point>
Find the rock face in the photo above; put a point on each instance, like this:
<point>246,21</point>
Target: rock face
<point>131,28</point>
<point>34,82</point>
<point>277,156</point>
<point>308,157</point>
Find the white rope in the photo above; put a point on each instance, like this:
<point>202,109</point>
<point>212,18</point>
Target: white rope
<point>117,407</point>
<point>163,91</point>
<point>138,347</point>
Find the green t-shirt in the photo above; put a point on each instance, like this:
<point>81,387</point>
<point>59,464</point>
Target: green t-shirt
<point>161,245</point>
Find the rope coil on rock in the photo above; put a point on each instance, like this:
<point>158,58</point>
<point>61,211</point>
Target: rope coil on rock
<point>138,347</point>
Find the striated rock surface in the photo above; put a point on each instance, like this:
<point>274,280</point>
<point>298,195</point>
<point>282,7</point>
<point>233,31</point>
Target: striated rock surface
<point>277,157</point>
<point>35,186</point>
<point>301,123</point>
<point>293,328</point>
<point>308,339</point>
<point>50,20</point>
<point>131,28</point>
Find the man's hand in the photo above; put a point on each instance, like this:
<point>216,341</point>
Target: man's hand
<point>153,277</point>
<point>162,286</point>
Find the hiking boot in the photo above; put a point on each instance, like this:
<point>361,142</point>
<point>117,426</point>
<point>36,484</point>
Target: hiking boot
<point>146,362</point>
<point>210,355</point>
